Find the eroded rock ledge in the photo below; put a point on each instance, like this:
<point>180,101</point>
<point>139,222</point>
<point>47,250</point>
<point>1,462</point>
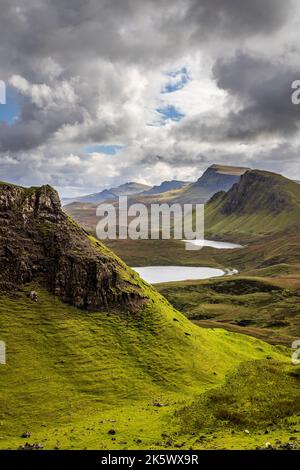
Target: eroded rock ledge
<point>39,242</point>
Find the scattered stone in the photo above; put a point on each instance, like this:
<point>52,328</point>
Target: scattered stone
<point>246,431</point>
<point>26,435</point>
<point>112,432</point>
<point>169,443</point>
<point>179,445</point>
<point>268,446</point>
<point>160,405</point>
<point>289,446</point>
<point>34,446</point>
<point>33,296</point>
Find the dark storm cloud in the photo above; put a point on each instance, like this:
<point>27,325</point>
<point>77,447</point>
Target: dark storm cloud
<point>74,33</point>
<point>127,30</point>
<point>262,90</point>
<point>236,18</point>
<point>176,159</point>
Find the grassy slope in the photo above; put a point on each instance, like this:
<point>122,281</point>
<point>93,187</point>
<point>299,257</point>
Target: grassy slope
<point>249,305</point>
<point>72,376</point>
<point>258,404</point>
<point>70,373</point>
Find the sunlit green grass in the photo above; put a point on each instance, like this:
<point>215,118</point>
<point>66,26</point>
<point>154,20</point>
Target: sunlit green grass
<point>68,368</point>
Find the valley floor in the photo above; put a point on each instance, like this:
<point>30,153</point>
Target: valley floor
<point>263,300</point>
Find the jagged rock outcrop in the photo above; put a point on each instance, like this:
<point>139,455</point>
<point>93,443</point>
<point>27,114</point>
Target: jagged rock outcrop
<point>39,242</point>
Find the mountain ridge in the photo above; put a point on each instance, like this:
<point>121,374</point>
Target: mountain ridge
<point>165,186</point>
<point>126,189</point>
<point>215,178</point>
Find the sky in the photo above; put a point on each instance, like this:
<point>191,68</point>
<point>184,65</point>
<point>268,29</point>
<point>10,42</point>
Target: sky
<point>102,92</point>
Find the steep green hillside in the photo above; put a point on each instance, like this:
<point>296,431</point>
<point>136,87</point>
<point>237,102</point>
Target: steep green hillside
<point>72,376</point>
<point>262,203</point>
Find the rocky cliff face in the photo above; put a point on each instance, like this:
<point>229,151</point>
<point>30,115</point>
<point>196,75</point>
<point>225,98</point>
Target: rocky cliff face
<point>38,242</point>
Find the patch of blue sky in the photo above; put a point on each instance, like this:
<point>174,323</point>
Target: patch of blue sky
<point>179,78</point>
<point>107,149</point>
<point>169,112</point>
<point>10,111</point>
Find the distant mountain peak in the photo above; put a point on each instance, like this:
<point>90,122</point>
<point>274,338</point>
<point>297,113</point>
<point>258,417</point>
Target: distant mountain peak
<point>166,186</point>
<point>215,178</point>
<point>228,169</point>
<point>125,189</point>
